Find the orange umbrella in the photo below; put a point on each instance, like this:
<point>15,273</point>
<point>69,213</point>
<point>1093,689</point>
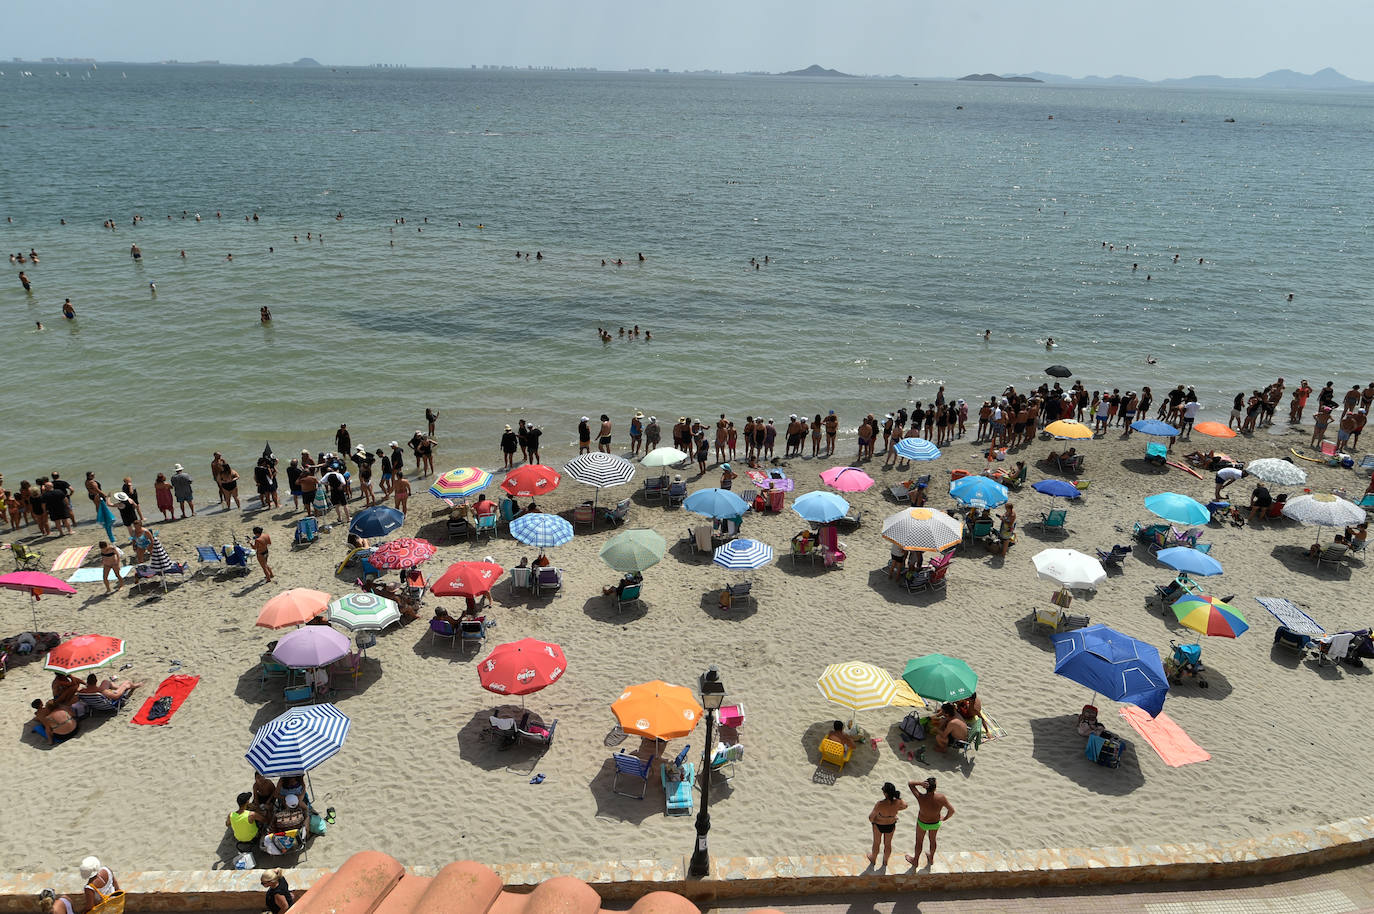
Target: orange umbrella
<point>1215,429</point>
<point>293,607</point>
<point>658,710</point>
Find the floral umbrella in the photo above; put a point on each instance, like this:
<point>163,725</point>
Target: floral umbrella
<point>406,552</point>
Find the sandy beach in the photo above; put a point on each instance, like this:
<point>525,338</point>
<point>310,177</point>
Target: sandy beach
<point>418,780</point>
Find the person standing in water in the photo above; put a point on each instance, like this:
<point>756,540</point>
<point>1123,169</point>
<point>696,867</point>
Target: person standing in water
<point>68,311</point>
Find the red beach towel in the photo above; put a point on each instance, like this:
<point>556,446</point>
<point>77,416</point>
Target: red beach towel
<point>175,687</point>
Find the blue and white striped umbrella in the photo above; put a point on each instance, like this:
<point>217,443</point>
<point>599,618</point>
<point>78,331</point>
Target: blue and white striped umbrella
<point>979,491</point>
<point>297,741</point>
<point>716,503</point>
<point>542,530</point>
<point>743,554</point>
<point>916,449</point>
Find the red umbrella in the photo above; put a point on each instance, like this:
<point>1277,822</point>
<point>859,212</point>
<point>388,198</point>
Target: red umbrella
<point>83,652</point>
<point>406,552</point>
<point>531,480</point>
<point>467,579</point>
<point>521,667</point>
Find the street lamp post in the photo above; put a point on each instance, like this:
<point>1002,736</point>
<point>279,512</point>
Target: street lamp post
<point>712,697</point>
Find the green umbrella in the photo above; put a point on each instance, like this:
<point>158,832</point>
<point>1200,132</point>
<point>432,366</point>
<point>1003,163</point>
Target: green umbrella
<point>634,551</point>
<point>940,678</point>
<point>364,611</point>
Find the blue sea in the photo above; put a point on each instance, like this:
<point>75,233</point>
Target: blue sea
<point>899,222</point>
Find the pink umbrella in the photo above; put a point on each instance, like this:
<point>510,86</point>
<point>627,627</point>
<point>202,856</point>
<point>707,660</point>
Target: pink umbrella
<point>847,479</point>
<point>406,552</point>
<point>35,583</point>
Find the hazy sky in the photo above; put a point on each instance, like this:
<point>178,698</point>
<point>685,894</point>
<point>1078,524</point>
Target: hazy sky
<point>911,37</point>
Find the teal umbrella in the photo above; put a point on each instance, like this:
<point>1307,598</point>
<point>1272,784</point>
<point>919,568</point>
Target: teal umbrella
<point>634,551</point>
<point>940,678</point>
<point>1178,509</point>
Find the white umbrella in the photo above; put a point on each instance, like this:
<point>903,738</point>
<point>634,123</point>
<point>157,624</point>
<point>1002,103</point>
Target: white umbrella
<point>1323,510</point>
<point>664,457</point>
<point>1069,568</point>
<point>1278,471</point>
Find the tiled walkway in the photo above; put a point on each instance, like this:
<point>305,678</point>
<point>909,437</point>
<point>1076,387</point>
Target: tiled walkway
<point>1330,890</point>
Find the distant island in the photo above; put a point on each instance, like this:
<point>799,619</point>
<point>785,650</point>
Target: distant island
<point>1275,79</point>
<point>816,70</point>
<point>994,78</point>
<point>305,62</point>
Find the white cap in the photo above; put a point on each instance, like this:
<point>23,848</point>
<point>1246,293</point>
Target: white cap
<point>393,444</point>
<point>586,419</point>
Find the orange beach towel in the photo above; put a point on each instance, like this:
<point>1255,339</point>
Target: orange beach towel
<point>1165,737</point>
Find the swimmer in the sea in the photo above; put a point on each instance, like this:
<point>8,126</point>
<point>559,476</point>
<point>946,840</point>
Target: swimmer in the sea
<point>909,380</point>
<point>152,288</point>
<point>135,253</point>
<point>1150,360</point>
<point>1290,296</point>
<point>265,314</point>
<point>987,335</point>
<point>40,324</point>
<point>68,311</point>
<point>648,335</point>
<point>1175,258</point>
<point>1049,342</point>
<point>641,257</point>
<point>24,281</point>
<point>183,255</point>
<point>229,257</point>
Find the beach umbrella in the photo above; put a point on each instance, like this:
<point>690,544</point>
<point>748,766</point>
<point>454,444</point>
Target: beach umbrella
<point>600,470</point>
<point>820,507</point>
<point>460,483</point>
<point>542,530</point>
<point>923,530</point>
<point>531,480</point>
<point>857,686</point>
<point>1323,510</point>
<point>378,520</point>
<point>405,552</point>
<point>1278,471</point>
<point>979,491</point>
<point>467,579</point>
<point>847,479</point>
<point>293,607</point>
<point>1058,371</point>
<point>1209,616</point>
<point>364,612</point>
<point>940,678</point>
<point>1056,488</point>
<point>1069,428</point>
<point>106,518</point>
<point>521,667</point>
<point>35,584</point>
<point>634,550</point>
<point>1069,568</point>
<point>741,554</point>
<point>84,652</point>
<point>159,562</point>
<point>1113,664</point>
<point>763,480</point>
<point>1177,509</point>
<point>297,741</point>
<point>1189,561</point>
<point>311,646</point>
<point>916,449</point>
<point>1215,429</point>
<point>715,503</point>
<point>1154,427</point>
<point>657,710</point>
<point>665,457</point>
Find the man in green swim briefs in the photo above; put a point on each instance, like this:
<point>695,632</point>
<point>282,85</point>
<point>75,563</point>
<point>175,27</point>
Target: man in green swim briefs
<point>932,810</point>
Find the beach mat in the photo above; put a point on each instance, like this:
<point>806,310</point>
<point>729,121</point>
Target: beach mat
<point>993,730</point>
<point>71,558</point>
<point>177,688</point>
<point>1290,615</point>
<point>95,575</point>
<point>1165,737</point>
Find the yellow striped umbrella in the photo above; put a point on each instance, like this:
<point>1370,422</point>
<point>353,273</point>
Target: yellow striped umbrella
<point>857,685</point>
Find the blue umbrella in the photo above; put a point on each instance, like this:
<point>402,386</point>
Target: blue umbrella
<point>820,507</point>
<point>379,520</point>
<point>916,449</point>
<point>1177,509</point>
<point>979,491</point>
<point>1056,488</point>
<point>1114,664</point>
<point>1154,427</point>
<point>716,503</point>
<point>1189,561</point>
<point>741,554</point>
<point>542,530</point>
<point>298,740</point>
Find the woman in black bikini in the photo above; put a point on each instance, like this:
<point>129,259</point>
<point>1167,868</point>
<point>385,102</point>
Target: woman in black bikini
<point>884,820</point>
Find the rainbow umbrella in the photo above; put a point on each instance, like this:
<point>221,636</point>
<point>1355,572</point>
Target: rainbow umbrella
<point>406,552</point>
<point>460,483</point>
<point>1209,616</point>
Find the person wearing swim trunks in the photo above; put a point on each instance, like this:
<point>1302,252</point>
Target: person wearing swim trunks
<point>884,821</point>
<point>261,544</point>
<point>933,809</point>
<point>603,440</point>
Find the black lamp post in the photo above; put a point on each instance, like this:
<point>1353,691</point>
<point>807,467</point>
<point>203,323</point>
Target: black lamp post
<point>712,697</point>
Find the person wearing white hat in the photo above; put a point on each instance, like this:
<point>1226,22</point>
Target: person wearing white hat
<point>100,881</point>
<point>398,460</point>
<point>652,434</point>
<point>584,435</point>
<point>181,489</point>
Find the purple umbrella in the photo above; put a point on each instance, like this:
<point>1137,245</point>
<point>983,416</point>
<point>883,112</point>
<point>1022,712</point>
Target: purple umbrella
<point>312,646</point>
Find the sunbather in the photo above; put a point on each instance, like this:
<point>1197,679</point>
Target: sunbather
<point>838,734</point>
<point>629,579</point>
<point>1315,549</point>
<point>57,720</point>
<point>949,725</point>
<point>111,689</point>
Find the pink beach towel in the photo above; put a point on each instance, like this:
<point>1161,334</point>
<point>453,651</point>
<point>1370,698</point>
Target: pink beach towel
<point>1165,737</point>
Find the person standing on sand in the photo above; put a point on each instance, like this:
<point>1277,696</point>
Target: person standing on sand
<point>400,492</point>
<point>884,821</point>
<point>261,543</point>
<point>933,809</point>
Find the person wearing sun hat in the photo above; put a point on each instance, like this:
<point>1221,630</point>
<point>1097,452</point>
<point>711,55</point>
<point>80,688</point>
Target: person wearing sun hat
<point>510,443</point>
<point>652,434</point>
<point>727,477</point>
<point>100,881</point>
<point>584,435</point>
<point>181,489</point>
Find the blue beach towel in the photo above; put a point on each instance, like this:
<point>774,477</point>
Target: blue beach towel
<point>1289,615</point>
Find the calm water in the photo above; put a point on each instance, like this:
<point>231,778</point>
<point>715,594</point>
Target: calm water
<point>898,228</point>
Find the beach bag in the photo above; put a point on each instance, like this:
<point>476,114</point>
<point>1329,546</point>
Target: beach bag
<point>244,861</point>
<point>912,728</point>
<point>111,904</point>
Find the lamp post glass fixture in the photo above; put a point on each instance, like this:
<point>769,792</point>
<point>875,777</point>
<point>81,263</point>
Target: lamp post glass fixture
<point>712,697</point>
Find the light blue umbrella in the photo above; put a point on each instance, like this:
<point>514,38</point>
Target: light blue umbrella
<point>1177,509</point>
<point>820,507</point>
<point>916,449</point>
<point>743,554</point>
<point>979,491</point>
<point>1154,427</point>
<point>1056,488</point>
<point>297,741</point>
<point>542,530</point>
<point>1189,561</point>
<point>716,503</point>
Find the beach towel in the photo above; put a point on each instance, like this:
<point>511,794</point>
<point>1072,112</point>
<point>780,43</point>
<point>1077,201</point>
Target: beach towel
<point>1165,737</point>
<point>71,558</point>
<point>95,575</point>
<point>1288,613</point>
<point>993,728</point>
<point>175,688</point>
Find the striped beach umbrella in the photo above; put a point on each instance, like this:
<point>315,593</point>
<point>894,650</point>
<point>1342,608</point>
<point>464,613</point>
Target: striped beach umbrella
<point>84,652</point>
<point>542,530</point>
<point>460,483</point>
<point>600,470</point>
<point>916,449</point>
<point>406,552</point>
<point>923,530</point>
<point>1210,616</point>
<point>298,741</point>
<point>364,612</point>
<point>743,554</point>
<point>857,686</point>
